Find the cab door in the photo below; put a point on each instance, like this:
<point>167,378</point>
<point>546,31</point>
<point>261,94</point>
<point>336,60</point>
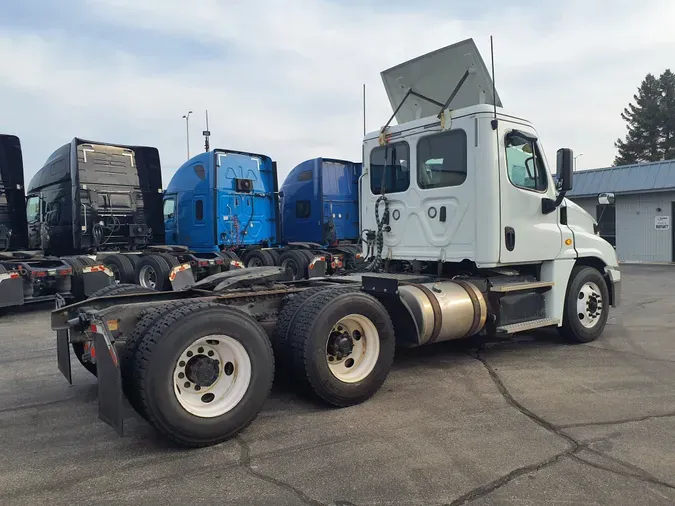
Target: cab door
<point>527,234</point>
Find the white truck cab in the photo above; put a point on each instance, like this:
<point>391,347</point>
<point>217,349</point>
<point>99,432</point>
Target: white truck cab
<point>464,182</point>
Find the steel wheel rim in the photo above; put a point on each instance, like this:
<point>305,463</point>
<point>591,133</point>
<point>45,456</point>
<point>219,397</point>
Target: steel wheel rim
<point>589,305</point>
<point>254,262</point>
<point>231,365</point>
<point>147,276</point>
<point>290,263</point>
<point>360,362</point>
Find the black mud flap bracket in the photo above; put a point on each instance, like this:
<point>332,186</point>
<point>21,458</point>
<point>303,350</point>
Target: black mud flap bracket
<point>63,345</point>
<point>110,396</point>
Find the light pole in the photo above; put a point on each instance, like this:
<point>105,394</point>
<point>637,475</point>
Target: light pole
<point>575,160</point>
<point>186,117</point>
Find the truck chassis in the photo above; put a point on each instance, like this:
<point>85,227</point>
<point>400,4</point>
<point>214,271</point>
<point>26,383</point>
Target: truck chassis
<point>198,363</point>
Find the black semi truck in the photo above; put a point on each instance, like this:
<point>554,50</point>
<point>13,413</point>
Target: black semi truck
<point>27,273</point>
<point>104,201</point>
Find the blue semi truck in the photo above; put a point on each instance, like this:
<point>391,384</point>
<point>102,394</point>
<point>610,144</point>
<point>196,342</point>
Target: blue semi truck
<point>230,202</point>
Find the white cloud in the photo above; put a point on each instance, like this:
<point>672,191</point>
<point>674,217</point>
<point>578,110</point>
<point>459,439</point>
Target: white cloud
<point>286,79</point>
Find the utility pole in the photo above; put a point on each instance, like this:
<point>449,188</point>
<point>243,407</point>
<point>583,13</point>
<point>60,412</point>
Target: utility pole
<point>206,133</point>
<point>186,117</point>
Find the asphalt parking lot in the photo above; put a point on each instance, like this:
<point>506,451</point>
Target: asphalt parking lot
<point>529,421</point>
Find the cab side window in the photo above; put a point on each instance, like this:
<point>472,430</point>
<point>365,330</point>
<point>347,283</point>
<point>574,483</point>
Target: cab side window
<point>525,166</point>
<point>33,209</point>
<point>390,168</point>
<point>441,160</point>
<point>169,208</point>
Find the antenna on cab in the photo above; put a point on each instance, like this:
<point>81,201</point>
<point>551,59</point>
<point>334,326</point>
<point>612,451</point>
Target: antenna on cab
<point>494,86</point>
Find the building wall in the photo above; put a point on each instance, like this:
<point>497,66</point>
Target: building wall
<point>636,236</point>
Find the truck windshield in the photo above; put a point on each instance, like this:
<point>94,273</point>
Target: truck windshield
<point>107,165</point>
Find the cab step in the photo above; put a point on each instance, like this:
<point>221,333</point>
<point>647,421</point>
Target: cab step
<point>532,324</point>
<point>521,287</point>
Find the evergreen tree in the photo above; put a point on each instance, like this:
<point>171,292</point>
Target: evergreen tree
<point>644,119</point>
<point>667,82</point>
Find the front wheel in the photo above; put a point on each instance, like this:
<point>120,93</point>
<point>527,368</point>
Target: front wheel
<point>586,306</point>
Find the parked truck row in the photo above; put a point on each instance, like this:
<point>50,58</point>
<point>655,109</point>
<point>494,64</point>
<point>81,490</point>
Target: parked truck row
<point>466,233</point>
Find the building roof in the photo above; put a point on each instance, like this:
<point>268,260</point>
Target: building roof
<point>638,178</point>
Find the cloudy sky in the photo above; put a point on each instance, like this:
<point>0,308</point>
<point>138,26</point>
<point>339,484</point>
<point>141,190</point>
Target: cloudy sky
<point>284,77</point>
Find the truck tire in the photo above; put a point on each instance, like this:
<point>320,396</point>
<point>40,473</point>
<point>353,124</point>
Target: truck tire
<point>86,261</point>
<point>275,256</point>
<point>134,259</point>
<point>153,271</point>
<point>342,346</point>
<point>122,288</point>
<point>76,284</point>
<point>170,259</point>
<point>287,318</point>
<point>188,396</point>
<point>586,306</point>
<point>110,290</point>
<point>121,267</point>
<point>258,258</point>
<point>296,261</point>
<point>128,354</point>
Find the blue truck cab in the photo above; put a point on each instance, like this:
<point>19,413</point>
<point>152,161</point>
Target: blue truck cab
<point>319,202</point>
<point>223,199</point>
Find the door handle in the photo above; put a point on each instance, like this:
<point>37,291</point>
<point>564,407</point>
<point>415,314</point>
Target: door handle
<point>510,238</point>
<point>442,215</point>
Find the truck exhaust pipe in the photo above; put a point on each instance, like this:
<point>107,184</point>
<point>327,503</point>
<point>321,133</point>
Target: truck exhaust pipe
<point>446,310</point>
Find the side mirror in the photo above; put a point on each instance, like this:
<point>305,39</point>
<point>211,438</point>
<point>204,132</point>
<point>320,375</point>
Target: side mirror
<point>606,199</point>
<point>565,168</point>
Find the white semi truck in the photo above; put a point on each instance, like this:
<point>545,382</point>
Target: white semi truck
<point>467,233</point>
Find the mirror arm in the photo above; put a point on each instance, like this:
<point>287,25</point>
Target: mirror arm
<point>549,205</point>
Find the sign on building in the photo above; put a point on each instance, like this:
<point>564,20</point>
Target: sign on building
<point>662,222</point>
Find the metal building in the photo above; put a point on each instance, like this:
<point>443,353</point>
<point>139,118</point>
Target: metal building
<point>640,222</point>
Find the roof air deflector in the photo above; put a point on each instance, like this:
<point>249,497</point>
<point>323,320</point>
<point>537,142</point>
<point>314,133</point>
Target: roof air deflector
<point>434,76</point>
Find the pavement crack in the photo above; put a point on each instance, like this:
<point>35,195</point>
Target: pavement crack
<point>517,405</point>
<point>632,353</point>
<point>507,478</point>
<point>245,463</point>
<point>637,472</point>
<point>617,422</point>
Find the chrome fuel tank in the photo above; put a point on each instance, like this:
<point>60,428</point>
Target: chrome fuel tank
<point>445,310</point>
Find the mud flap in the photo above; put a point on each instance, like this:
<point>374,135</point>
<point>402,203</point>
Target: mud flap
<point>110,396</point>
<point>63,346</point>
<point>317,269</point>
<point>181,277</point>
<point>11,290</point>
<point>63,354</point>
<point>94,281</point>
<point>96,277</point>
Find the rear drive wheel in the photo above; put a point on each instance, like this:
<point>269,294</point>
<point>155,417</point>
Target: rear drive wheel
<point>586,306</point>
<point>275,255</point>
<point>121,267</point>
<point>204,372</point>
<point>153,271</point>
<point>295,261</point>
<point>259,258</point>
<point>342,346</point>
